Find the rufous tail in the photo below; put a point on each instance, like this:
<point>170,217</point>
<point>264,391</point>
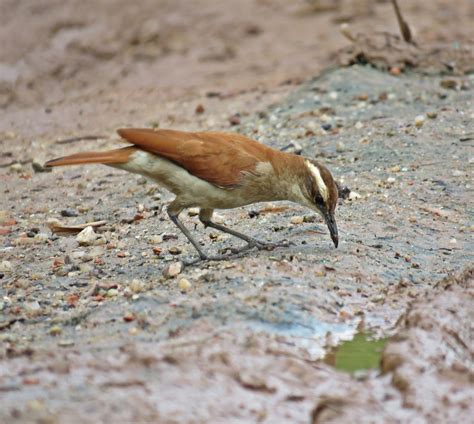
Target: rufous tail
<point>109,157</point>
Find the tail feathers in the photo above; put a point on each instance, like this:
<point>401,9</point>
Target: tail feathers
<point>110,157</point>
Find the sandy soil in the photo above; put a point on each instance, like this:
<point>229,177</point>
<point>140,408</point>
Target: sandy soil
<point>103,332</point>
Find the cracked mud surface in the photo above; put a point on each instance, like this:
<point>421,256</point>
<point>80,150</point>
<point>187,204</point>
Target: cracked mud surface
<point>103,332</point>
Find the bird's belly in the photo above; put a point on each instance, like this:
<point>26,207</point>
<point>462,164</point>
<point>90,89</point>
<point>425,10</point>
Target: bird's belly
<point>190,191</point>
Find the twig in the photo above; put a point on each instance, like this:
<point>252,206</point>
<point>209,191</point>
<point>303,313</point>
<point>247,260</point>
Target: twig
<point>404,28</point>
<point>80,138</point>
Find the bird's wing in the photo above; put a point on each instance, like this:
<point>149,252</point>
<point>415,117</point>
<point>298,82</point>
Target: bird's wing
<point>217,157</point>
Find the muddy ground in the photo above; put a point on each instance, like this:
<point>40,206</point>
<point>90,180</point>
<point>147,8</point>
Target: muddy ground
<point>110,331</point>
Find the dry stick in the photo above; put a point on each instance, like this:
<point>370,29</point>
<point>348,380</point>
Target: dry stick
<point>404,28</point>
<point>84,137</point>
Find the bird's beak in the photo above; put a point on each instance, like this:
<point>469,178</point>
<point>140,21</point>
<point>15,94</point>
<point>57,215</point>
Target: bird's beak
<point>331,223</point>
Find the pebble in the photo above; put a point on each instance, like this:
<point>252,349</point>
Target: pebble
<point>16,167</point>
<point>358,125</point>
<point>354,196</point>
<point>449,84</point>
<point>218,219</point>
<point>112,292</point>
<point>66,343</point>
<point>55,330</point>
<point>69,213</point>
<point>129,317</point>
<point>38,166</point>
<point>199,109</point>
<point>419,121</point>
<point>340,147</point>
<point>234,119</point>
<point>297,219</point>
<point>326,127</point>
<point>136,286</point>
<point>193,211</point>
<point>432,115</point>
<point>155,239</point>
<point>391,180</point>
<point>32,306</point>
<point>172,270</point>
<point>184,284</point>
<point>453,241</point>
<point>87,237</point>
<point>395,70</point>
<point>175,250</point>
<point>41,237</point>
<point>6,266</point>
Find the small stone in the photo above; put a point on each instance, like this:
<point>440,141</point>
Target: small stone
<point>155,239</point>
<point>354,196</point>
<point>112,292</point>
<point>87,237</point>
<point>412,219</point>
<point>218,219</point>
<point>173,269</point>
<point>136,286</point>
<point>340,147</point>
<point>333,95</point>
<point>184,284</point>
<point>32,306</point>
<point>66,343</point>
<point>234,119</point>
<point>432,115</point>
<point>320,271</point>
<point>359,125</point>
<point>419,121</point>
<point>395,168</point>
<point>6,266</point>
<point>175,250</point>
<point>16,167</point>
<point>41,237</point>
<point>395,70</point>
<point>199,109</point>
<point>453,241</point>
<point>55,330</point>
<point>326,127</point>
<point>297,219</point>
<point>193,211</point>
<point>157,250</point>
<point>129,317</point>
<point>391,180</point>
<point>38,166</point>
<point>449,84</point>
<point>457,173</point>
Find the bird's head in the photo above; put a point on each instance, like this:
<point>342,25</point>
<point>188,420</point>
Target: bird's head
<point>321,194</point>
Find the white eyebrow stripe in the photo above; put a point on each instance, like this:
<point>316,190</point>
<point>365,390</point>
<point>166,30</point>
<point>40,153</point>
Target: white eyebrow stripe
<point>319,180</point>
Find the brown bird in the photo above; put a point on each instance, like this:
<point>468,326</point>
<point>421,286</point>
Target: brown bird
<point>217,170</point>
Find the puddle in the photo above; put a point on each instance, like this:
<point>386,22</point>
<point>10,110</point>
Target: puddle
<point>310,335</point>
<point>361,353</point>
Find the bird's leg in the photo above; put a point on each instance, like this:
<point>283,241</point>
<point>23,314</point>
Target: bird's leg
<point>173,213</point>
<point>205,216</point>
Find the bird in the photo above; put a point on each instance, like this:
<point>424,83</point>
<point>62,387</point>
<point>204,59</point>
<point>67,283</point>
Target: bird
<point>219,170</point>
